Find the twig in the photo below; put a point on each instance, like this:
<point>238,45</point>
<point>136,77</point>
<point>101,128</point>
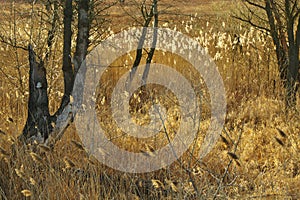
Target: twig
<point>228,166</point>
<point>177,158</point>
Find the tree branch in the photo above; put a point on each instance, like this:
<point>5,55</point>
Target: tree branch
<point>251,23</point>
<point>254,4</point>
<point>10,43</point>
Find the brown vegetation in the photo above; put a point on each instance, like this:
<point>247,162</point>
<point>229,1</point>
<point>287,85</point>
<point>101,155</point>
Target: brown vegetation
<point>256,157</point>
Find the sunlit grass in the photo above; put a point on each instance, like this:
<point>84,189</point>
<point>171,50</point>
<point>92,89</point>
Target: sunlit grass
<point>267,162</point>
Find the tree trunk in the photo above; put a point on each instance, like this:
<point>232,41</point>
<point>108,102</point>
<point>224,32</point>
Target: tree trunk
<point>67,64</point>
<point>283,18</point>
<point>82,44</point>
<point>154,41</point>
<point>53,29</point>
<point>82,41</point>
<point>139,51</point>
<point>293,51</point>
<point>38,124</point>
<point>287,55</point>
<point>281,54</point>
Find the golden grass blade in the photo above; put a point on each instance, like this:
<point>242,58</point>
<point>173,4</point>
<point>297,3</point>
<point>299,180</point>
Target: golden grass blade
<point>2,132</point>
<point>78,145</point>
<point>26,193</point>
<point>172,185</point>
<point>157,183</point>
<point>149,151</point>
<point>20,173</point>
<point>36,158</point>
<point>44,148</point>
<point>69,163</point>
<point>32,181</point>
<point>4,152</point>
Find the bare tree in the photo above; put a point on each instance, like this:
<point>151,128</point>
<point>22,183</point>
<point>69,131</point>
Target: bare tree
<point>38,124</point>
<point>42,32</point>
<point>148,16</point>
<point>281,19</point>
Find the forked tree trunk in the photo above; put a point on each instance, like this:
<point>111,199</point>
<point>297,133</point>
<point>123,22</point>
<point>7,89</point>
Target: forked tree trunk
<point>154,41</point>
<point>139,52</point>
<point>38,126</point>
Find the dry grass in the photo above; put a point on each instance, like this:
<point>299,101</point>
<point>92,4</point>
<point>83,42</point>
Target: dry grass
<point>256,157</point>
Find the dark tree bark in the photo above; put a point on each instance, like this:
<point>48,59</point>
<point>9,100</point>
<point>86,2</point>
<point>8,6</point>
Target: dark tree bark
<point>139,52</point>
<point>53,29</point>
<point>67,109</point>
<point>82,44</point>
<point>82,41</point>
<point>293,52</point>
<point>283,17</point>
<point>278,40</point>
<point>148,16</point>
<point>67,64</point>
<point>38,125</point>
<point>39,120</point>
<point>154,41</point>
